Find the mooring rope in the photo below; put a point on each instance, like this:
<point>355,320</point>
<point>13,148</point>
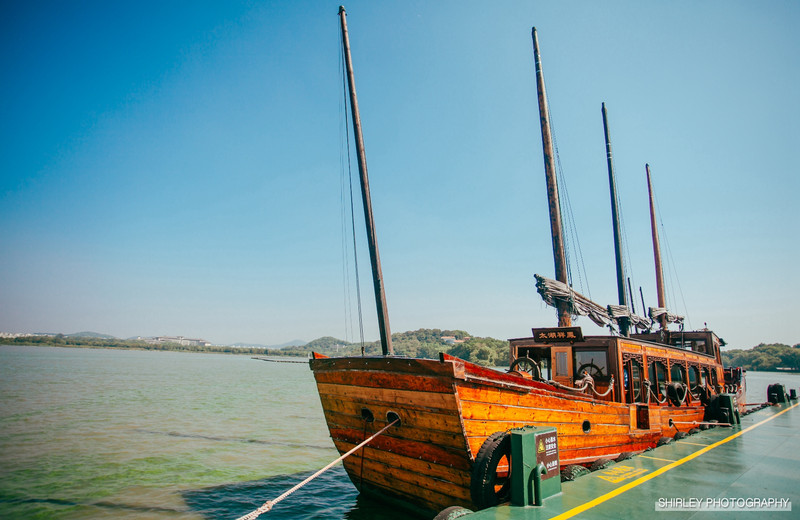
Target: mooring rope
<point>269,504</point>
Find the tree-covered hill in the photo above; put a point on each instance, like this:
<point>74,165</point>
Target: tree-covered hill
<point>764,357</point>
<point>421,343</point>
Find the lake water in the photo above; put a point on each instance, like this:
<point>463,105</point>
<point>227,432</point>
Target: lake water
<point>96,434</point>
<point>88,433</point>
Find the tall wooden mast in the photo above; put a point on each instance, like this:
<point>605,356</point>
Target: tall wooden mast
<point>375,259</point>
<point>559,257</point>
<point>624,323</point>
<point>662,301</point>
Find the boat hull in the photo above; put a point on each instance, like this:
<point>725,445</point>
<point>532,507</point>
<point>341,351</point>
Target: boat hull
<point>448,408</point>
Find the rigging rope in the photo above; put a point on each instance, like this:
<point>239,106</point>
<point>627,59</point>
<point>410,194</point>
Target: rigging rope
<point>626,253</point>
<point>347,109</point>
<point>269,504</point>
<point>673,270</point>
<point>572,235</point>
<point>347,296</point>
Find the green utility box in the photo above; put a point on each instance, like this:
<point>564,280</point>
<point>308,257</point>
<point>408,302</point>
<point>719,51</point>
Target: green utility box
<point>776,393</point>
<point>728,409</point>
<point>535,473</point>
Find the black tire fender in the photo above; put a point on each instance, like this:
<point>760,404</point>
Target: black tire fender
<point>600,464</point>
<point>625,455</point>
<point>487,489</point>
<point>573,471</point>
<point>452,512</point>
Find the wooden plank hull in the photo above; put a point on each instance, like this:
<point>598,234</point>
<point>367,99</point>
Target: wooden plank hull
<point>447,410</point>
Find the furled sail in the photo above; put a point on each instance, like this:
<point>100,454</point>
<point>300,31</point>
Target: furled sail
<point>656,313</point>
<point>553,291</point>
<point>621,311</point>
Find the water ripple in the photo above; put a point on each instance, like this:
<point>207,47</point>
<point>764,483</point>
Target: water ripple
<point>234,439</point>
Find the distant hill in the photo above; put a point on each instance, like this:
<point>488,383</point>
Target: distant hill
<point>772,356</point>
<point>293,343</point>
<point>89,334</point>
<point>325,344</point>
<point>423,343</point>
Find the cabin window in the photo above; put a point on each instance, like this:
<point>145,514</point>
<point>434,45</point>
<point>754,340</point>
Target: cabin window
<point>694,381</point>
<point>544,365</point>
<point>562,369</point>
<point>540,356</point>
<point>694,344</point>
<point>699,345</point>
<point>704,377</point>
<point>592,361</point>
<point>633,381</point>
<point>658,378</point>
<point>676,374</point>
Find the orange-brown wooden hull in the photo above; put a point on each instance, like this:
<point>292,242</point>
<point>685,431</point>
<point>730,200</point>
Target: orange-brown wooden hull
<point>448,408</point>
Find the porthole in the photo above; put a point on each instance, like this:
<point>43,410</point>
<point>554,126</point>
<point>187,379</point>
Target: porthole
<point>366,415</point>
<point>587,426</point>
<point>391,417</point>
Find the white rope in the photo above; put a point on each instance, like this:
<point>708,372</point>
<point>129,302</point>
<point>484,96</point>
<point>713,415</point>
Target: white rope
<point>565,387</point>
<point>651,392</point>
<point>269,504</point>
<point>685,394</point>
<point>608,391</point>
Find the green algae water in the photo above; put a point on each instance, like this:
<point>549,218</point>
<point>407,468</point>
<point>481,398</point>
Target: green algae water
<point>88,433</point>
<point>91,434</point>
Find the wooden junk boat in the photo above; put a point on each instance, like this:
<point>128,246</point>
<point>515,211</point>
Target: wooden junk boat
<point>608,396</point>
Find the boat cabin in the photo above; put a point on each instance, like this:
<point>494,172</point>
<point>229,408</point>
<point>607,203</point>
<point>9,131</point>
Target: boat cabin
<point>645,368</point>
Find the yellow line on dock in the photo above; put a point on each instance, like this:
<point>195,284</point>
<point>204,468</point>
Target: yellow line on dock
<point>656,458</point>
<point>630,485</point>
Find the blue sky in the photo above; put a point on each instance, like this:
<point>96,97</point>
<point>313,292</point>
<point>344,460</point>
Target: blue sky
<point>174,167</point>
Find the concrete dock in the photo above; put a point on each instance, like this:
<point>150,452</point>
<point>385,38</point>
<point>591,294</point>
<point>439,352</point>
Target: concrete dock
<point>726,469</point>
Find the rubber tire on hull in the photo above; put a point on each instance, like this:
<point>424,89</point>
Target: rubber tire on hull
<point>573,471</point>
<point>625,455</point>
<point>601,464</point>
<point>484,471</point>
<point>452,512</point>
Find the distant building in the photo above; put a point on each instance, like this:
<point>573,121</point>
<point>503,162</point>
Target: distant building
<point>451,340</point>
<point>180,340</point>
<point>14,335</point>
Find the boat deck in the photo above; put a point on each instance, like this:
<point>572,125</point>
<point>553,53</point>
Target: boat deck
<point>758,459</point>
